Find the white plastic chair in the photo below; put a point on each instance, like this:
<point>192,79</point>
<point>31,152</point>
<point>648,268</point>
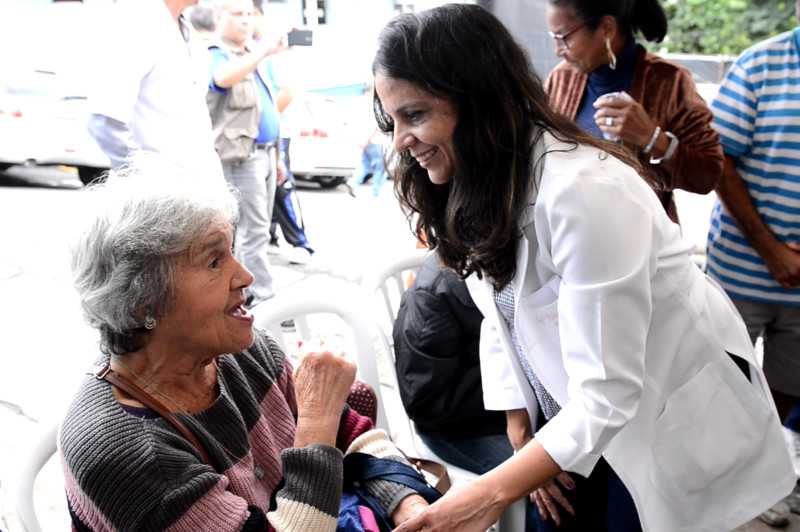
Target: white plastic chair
<point>43,449</point>
<point>339,299</point>
<point>390,283</point>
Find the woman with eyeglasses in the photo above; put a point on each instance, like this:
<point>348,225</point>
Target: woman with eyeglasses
<point>614,88</point>
<point>596,321</point>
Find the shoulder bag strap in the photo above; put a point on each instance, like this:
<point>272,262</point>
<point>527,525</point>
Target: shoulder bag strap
<point>132,389</point>
<point>361,466</point>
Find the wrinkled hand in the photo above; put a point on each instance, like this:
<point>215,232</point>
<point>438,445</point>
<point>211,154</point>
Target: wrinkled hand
<point>784,264</point>
<point>467,508</point>
<point>322,383</point>
<point>631,123</point>
<point>408,508</point>
<point>548,495</point>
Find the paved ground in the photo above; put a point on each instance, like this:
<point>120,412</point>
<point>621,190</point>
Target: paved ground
<point>45,346</point>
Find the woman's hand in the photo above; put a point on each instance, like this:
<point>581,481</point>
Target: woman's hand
<point>408,508</point>
<point>468,508</point>
<point>321,384</point>
<point>548,495</point>
<point>628,119</point>
<point>518,428</point>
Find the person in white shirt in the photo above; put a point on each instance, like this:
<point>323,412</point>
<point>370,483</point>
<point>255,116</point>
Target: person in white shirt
<point>595,317</point>
<point>150,88</point>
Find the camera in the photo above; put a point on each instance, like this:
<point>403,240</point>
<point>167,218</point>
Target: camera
<point>299,37</point>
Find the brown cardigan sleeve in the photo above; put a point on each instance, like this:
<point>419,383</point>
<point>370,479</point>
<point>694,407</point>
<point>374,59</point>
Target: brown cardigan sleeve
<point>697,164</point>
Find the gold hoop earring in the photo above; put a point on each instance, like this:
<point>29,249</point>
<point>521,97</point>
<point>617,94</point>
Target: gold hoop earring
<point>612,59</point>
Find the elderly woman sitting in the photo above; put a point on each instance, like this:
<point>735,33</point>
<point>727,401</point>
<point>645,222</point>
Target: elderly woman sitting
<point>196,420</point>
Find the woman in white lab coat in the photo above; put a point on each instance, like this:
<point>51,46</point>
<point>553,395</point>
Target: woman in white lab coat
<point>594,314</point>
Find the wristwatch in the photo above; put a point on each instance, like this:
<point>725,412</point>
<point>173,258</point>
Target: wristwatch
<point>673,146</point>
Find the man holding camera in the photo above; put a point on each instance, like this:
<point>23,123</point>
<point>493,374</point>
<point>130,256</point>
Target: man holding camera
<point>245,124</point>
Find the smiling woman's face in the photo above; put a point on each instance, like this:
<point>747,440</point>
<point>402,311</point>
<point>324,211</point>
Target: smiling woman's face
<point>423,125</point>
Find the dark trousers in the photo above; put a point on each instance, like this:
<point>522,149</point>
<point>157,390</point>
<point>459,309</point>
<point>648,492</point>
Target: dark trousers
<point>478,455</point>
<point>287,213</point>
<point>601,503</point>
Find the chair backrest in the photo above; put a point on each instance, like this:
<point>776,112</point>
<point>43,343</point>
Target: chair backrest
<point>390,282</point>
<point>303,303</point>
<point>386,287</point>
<point>384,290</point>
<point>43,449</point>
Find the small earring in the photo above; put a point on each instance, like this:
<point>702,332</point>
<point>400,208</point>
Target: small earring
<point>612,59</point>
<point>149,322</point>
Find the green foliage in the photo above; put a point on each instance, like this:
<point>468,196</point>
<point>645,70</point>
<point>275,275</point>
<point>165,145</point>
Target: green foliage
<point>724,26</point>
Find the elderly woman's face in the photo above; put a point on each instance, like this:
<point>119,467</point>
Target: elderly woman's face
<point>574,41</point>
<point>423,125</point>
<point>207,316</point>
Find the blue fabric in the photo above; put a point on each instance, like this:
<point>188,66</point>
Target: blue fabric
<point>793,420</point>
<point>287,212</point>
<point>478,455</point>
<point>349,518</point>
<point>371,163</point>
<point>602,81</point>
<point>756,115</point>
<point>269,124</point>
<point>359,467</point>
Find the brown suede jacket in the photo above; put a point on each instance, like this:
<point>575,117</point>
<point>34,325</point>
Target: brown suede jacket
<point>668,94</point>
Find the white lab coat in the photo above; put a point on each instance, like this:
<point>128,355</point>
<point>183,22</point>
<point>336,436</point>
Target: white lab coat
<point>630,338</point>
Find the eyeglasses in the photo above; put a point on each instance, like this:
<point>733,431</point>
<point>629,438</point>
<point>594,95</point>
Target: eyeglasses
<point>561,38</point>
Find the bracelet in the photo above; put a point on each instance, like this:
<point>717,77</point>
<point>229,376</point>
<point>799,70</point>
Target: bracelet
<point>673,145</point>
<point>656,132</point>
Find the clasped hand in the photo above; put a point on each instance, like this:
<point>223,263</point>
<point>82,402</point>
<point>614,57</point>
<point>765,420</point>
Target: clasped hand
<point>518,428</point>
<point>322,383</point>
<point>628,120</point>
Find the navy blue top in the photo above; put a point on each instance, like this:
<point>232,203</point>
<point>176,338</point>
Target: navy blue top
<point>269,125</point>
<point>603,80</point>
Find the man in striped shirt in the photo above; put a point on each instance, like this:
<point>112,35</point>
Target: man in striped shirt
<point>754,240</point>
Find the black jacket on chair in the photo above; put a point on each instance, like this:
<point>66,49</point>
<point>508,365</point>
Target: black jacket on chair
<point>436,337</point>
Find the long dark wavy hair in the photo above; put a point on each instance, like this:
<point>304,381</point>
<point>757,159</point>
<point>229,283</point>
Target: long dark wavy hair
<point>464,54</point>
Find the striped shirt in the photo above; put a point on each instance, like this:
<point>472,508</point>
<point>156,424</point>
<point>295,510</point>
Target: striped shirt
<point>757,115</point>
<point>127,470</point>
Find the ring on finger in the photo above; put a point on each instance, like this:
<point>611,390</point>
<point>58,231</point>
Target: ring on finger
<point>609,121</point>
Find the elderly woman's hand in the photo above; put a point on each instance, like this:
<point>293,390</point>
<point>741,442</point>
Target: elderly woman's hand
<point>408,508</point>
<point>620,116</point>
<point>321,383</point>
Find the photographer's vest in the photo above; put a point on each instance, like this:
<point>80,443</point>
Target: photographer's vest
<point>235,115</point>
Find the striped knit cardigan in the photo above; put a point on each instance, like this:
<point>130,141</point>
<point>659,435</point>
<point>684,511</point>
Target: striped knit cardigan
<point>136,472</point>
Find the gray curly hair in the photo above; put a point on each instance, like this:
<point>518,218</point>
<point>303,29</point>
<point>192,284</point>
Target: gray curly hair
<point>141,218</point>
